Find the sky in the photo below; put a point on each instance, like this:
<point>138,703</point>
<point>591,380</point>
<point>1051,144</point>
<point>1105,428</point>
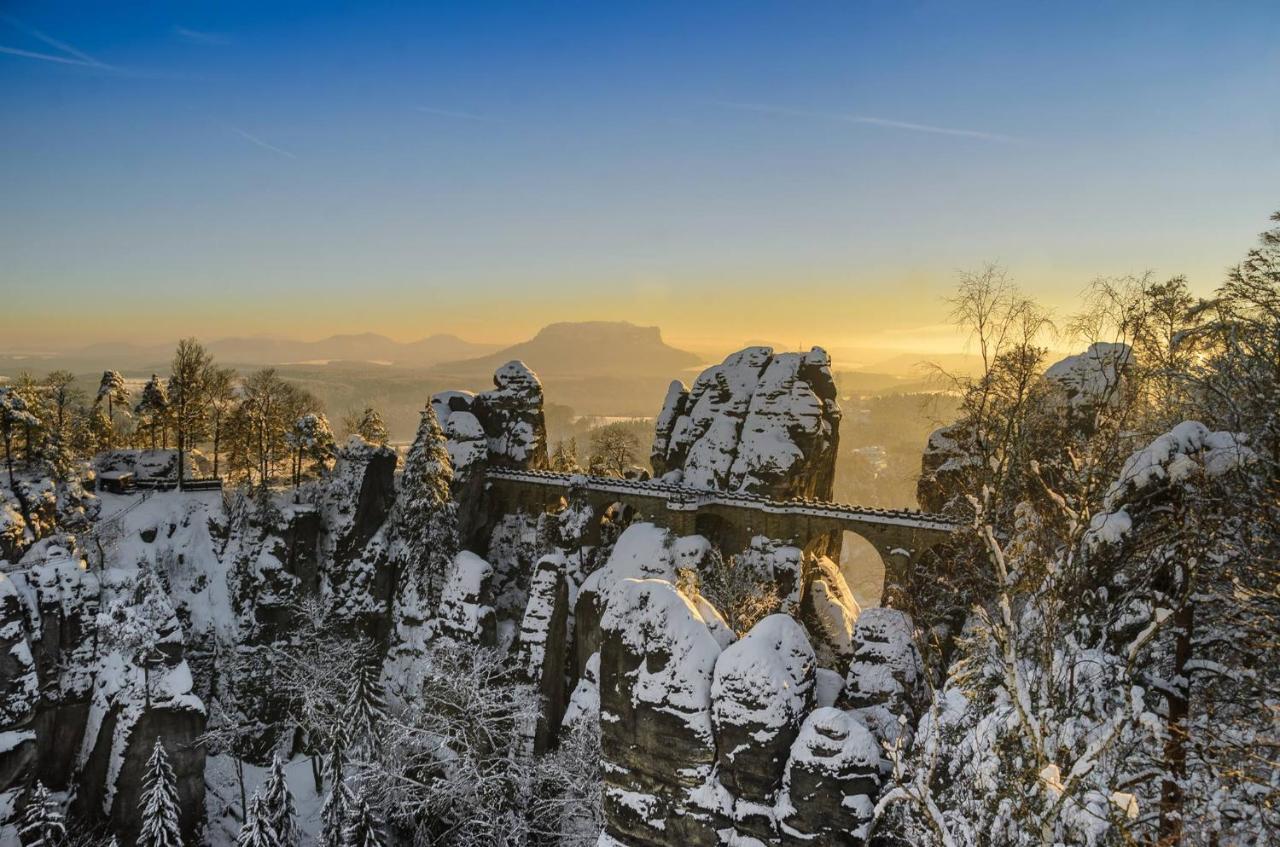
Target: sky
<point>797,172</point>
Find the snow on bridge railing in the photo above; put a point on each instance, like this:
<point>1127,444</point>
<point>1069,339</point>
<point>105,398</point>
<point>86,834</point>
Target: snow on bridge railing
<point>657,488</point>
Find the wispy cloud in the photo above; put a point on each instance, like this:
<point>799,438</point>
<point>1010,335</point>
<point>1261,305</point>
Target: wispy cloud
<point>870,120</point>
<point>72,55</point>
<point>45,57</point>
<point>212,39</point>
<point>265,145</point>
<point>450,113</point>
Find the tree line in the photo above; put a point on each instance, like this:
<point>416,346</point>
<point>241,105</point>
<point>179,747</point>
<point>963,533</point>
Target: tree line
<point>255,428</point>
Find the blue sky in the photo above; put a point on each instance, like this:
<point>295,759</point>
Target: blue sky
<point>805,171</point>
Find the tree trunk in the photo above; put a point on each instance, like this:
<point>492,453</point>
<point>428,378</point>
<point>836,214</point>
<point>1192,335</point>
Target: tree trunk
<point>1175,749</point>
<point>182,449</point>
<point>217,431</point>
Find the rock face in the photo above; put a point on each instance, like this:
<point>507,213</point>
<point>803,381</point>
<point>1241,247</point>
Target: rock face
<point>948,457</point>
<point>466,610</point>
<point>1091,378</point>
<point>657,659</point>
<point>886,676</point>
<point>762,689</point>
<point>354,506</point>
<point>542,645</point>
<point>503,427</point>
<point>831,783</point>
<point>760,422</point>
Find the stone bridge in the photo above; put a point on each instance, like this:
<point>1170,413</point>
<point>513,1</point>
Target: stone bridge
<point>728,518</point>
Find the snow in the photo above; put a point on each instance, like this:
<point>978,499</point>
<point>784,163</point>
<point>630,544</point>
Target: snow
<point>1092,376</point>
<point>766,679</point>
<point>222,797</point>
<point>653,620</point>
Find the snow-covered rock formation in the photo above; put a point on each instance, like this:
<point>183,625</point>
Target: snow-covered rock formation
<point>503,427</point>
<point>759,422</point>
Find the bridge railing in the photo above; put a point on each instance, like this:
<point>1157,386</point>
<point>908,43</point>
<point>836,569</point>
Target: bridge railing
<point>817,508</point>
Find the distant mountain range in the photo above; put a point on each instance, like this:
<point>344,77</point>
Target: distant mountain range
<point>362,347</point>
<point>587,349</point>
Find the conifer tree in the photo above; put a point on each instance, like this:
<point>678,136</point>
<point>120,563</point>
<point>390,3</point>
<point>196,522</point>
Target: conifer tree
<point>362,829</point>
<point>257,831</point>
<point>337,806</point>
<point>161,826</point>
<point>42,823</point>
<point>369,426</point>
<point>152,409</point>
<point>426,517</point>
<point>112,389</point>
<point>277,806</point>
<point>366,706</point>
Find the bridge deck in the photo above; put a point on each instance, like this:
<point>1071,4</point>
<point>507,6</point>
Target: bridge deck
<point>677,495</point>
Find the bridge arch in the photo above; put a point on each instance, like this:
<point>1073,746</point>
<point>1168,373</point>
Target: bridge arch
<point>863,566</point>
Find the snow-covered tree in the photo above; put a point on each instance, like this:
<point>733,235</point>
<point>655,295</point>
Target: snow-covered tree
<point>309,438</point>
<point>453,761</point>
<point>188,398</point>
<point>366,705</point>
<point>220,389</point>
<point>277,809</point>
<point>152,410</point>
<point>337,806</point>
<point>362,828</point>
<point>367,424</point>
<point>565,457</point>
<point>139,623</point>
<point>112,389</point>
<point>42,823</point>
<point>425,519</point>
<point>161,826</point>
<point>256,830</point>
<point>14,413</point>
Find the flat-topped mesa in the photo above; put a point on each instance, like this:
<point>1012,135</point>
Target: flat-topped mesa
<point>759,422</point>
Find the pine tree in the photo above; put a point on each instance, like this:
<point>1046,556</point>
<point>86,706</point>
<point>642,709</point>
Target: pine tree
<point>112,389</point>
<point>362,830</point>
<point>337,806</point>
<point>153,407</point>
<point>426,517</point>
<point>366,706</point>
<point>277,806</point>
<point>161,826</point>
<point>257,831</point>
<point>42,824</point>
<point>370,427</point>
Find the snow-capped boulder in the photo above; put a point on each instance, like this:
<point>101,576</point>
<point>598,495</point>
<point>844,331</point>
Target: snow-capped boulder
<point>657,661</point>
<point>831,782</point>
<point>762,689</point>
<point>759,422</point>
<point>642,551</point>
<point>886,677</point>
<point>1090,379</point>
<point>466,609</point>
